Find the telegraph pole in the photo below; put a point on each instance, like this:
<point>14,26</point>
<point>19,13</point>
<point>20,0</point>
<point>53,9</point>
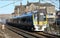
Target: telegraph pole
<point>20,12</point>
<point>59,5</point>
<point>38,13</point>
<point>39,1</point>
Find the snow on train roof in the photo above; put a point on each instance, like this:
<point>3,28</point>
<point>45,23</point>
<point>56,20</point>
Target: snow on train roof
<point>23,15</point>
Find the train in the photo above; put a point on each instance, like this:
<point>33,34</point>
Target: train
<point>34,21</point>
<point>57,22</point>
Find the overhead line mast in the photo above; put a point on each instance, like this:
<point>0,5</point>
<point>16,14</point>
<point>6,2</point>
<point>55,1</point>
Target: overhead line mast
<point>59,5</point>
<point>38,14</point>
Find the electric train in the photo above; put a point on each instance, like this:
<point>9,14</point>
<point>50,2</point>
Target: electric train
<point>34,21</point>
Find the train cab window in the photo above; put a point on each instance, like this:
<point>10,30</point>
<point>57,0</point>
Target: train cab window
<point>50,13</point>
<point>41,17</point>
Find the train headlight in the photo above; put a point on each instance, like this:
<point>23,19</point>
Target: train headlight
<point>37,26</point>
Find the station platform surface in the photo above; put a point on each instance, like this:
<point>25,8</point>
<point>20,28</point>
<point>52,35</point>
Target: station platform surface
<point>6,33</point>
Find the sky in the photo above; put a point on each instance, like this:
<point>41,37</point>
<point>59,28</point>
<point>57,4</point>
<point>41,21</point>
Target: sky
<point>7,6</point>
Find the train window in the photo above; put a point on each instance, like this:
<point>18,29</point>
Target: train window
<point>35,17</point>
<point>28,19</point>
<point>19,21</point>
<point>50,14</point>
<point>15,21</point>
<point>44,17</point>
<point>41,18</point>
<point>23,19</point>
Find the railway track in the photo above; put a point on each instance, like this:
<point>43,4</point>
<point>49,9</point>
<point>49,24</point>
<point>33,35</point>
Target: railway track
<point>27,34</point>
<point>23,33</point>
<point>48,35</point>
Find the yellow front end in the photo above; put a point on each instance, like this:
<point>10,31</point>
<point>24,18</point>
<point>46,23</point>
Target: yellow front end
<point>39,26</point>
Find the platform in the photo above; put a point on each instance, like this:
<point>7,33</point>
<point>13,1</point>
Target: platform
<point>6,33</point>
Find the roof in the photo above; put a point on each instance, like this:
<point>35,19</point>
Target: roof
<point>5,16</point>
<point>32,3</point>
<point>20,6</point>
<point>30,13</point>
<point>41,4</point>
<point>24,15</point>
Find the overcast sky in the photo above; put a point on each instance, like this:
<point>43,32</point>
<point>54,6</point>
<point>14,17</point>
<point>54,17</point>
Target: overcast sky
<point>7,6</point>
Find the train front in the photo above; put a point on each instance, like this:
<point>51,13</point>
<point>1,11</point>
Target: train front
<point>40,21</point>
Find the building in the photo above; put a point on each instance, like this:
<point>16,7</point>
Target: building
<point>47,7</point>
<point>34,6</point>
<point>19,10</point>
<point>3,17</point>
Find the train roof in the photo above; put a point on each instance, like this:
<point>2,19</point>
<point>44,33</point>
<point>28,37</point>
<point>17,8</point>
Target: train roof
<point>25,15</point>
